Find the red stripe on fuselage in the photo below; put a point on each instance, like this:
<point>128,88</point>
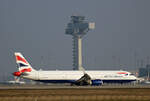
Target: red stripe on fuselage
<point>18,58</point>
<point>122,73</point>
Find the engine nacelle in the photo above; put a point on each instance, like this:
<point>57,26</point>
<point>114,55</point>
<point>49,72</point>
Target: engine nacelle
<point>97,82</point>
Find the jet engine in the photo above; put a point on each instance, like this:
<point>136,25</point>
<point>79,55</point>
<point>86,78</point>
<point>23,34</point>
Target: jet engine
<point>97,82</point>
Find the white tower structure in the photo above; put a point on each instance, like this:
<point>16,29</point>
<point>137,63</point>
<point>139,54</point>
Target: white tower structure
<point>78,27</point>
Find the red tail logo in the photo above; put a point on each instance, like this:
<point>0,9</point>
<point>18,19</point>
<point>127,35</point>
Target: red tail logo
<point>18,58</point>
<point>21,71</point>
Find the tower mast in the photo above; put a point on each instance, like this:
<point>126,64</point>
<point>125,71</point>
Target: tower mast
<point>78,27</point>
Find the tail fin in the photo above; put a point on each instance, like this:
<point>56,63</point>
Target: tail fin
<point>22,64</point>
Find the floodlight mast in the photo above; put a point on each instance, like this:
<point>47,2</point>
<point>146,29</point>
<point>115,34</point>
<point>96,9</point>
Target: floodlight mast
<point>78,27</point>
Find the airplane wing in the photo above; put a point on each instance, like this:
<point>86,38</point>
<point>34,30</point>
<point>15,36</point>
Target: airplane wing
<point>84,80</point>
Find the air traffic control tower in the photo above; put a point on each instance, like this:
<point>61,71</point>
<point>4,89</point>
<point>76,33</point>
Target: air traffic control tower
<point>78,27</point>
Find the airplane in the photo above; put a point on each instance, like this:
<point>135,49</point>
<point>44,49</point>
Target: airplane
<point>74,77</point>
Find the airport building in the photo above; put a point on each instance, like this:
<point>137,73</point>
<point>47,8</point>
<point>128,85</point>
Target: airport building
<point>145,72</point>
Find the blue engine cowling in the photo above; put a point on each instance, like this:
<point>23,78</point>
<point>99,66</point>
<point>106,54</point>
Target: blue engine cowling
<point>97,82</point>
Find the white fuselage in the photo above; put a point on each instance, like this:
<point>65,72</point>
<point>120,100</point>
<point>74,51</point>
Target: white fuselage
<point>69,76</point>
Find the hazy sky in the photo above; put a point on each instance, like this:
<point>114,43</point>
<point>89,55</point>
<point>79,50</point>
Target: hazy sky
<point>37,29</point>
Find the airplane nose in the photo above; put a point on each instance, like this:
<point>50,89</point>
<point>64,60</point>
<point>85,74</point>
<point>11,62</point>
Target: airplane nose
<point>16,73</point>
